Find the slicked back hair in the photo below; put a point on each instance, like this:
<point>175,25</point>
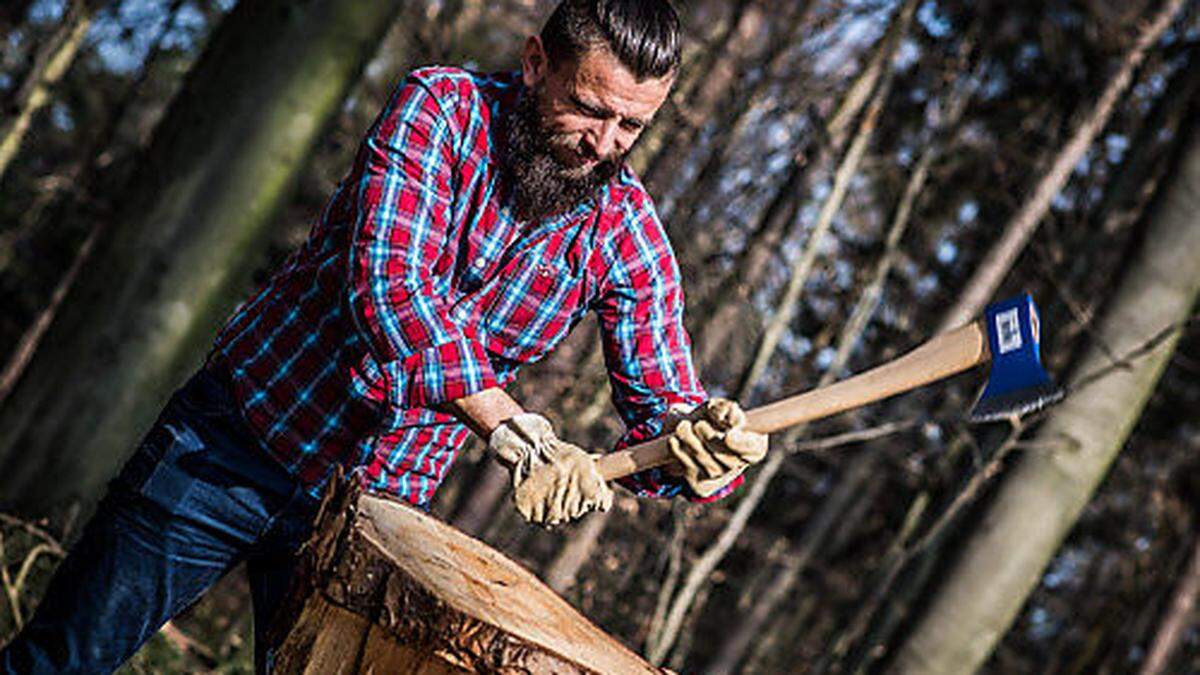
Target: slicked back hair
<point>644,35</point>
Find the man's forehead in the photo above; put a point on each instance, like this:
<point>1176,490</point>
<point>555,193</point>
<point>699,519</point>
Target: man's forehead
<point>601,78</point>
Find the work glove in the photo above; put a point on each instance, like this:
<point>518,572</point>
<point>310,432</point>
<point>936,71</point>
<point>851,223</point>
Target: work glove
<point>712,446</point>
<point>553,481</point>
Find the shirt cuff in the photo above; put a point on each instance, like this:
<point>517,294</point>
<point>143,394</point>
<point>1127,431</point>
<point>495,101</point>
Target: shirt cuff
<point>446,372</point>
<point>724,492</point>
<point>658,483</point>
<point>653,483</point>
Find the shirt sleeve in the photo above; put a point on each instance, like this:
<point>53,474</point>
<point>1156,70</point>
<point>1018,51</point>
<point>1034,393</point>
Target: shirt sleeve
<point>646,348</point>
<point>400,229</point>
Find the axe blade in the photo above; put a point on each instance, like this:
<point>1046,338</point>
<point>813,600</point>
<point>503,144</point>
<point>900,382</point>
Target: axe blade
<point>1017,384</point>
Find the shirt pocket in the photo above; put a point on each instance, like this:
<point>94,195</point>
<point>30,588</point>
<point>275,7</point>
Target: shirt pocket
<point>534,309</point>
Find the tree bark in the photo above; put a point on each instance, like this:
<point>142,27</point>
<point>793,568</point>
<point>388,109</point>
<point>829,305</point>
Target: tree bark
<point>382,587</point>
<point>184,241</point>
<point>1040,500</point>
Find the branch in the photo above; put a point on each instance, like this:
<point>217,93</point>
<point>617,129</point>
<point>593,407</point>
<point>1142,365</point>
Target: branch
<point>1024,223</point>
<point>1125,362</point>
<point>26,526</point>
<point>857,436</point>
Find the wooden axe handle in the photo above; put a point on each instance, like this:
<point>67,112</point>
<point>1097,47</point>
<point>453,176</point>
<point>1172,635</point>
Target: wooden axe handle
<point>945,355</point>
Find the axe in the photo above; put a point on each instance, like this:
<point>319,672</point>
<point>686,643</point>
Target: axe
<point>1008,336</point>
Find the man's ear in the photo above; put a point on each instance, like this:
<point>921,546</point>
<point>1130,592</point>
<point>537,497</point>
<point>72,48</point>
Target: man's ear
<point>534,62</point>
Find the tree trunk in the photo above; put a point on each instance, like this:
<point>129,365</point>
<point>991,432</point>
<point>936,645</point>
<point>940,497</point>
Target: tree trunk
<point>1000,259</point>
<point>1177,618</point>
<point>184,240</point>
<point>869,299</point>
<point>712,556</point>
<point>802,267</point>
<point>50,64</point>
<point>732,293</point>
<point>1125,197</point>
<point>741,636</point>
<point>385,588</point>
<point>83,176</point>
<point>729,116</point>
<point>716,69</point>
<point>563,570</point>
<point>1043,496</point>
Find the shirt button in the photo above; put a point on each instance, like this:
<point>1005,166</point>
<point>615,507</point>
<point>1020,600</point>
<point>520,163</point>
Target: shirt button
<point>480,262</point>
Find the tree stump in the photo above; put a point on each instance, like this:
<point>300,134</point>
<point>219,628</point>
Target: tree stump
<point>384,588</point>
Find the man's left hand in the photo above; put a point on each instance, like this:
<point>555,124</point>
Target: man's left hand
<point>713,447</point>
<point>554,482</point>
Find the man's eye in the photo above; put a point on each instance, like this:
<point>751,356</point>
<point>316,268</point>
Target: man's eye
<point>586,109</point>
<point>630,125</point>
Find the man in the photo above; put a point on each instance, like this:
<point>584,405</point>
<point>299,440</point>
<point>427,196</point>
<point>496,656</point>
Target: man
<point>483,217</point>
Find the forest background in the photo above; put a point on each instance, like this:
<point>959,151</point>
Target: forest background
<point>841,179</point>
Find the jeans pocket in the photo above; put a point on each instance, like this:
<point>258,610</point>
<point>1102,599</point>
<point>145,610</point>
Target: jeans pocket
<point>155,471</point>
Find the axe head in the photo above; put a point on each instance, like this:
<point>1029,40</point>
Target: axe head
<point>1017,383</point>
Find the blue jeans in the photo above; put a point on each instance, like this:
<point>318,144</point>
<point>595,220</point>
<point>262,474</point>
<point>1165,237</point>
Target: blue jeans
<point>198,497</point>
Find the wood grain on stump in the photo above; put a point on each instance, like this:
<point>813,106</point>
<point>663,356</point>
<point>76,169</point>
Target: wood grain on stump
<point>384,588</point>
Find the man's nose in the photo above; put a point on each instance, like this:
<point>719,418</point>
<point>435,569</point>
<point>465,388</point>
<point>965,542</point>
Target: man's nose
<point>605,138</point>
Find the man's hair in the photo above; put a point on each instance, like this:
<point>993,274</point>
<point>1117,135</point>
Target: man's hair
<point>642,34</point>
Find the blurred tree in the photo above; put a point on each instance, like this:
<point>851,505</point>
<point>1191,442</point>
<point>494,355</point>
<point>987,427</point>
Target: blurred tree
<point>83,177</point>
<point>829,567</point>
<point>1000,258</point>
<point>12,13</point>
<point>185,237</point>
<point>880,78</point>
<point>1177,618</point>
<point>1041,498</point>
<point>52,61</point>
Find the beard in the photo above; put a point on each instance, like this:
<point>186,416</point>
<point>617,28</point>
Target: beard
<point>542,184</point>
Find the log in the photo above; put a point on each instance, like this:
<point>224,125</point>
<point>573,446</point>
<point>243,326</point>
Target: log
<point>381,587</point>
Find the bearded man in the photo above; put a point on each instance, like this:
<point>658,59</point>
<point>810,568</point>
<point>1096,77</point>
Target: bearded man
<point>483,217</point>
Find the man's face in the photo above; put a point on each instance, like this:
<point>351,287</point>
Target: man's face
<point>574,127</point>
<point>594,109</point>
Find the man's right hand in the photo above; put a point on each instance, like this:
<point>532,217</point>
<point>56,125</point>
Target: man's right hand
<point>712,446</point>
<point>554,481</point>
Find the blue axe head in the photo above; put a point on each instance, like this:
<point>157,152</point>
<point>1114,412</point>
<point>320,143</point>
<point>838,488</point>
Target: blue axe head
<point>1017,383</point>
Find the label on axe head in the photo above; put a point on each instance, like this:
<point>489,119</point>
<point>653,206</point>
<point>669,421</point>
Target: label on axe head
<point>1008,330</point>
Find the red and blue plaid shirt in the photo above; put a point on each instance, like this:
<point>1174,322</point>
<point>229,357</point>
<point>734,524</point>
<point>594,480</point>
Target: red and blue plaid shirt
<point>418,285</point>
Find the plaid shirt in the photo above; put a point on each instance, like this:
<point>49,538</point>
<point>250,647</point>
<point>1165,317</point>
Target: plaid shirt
<point>418,285</point>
